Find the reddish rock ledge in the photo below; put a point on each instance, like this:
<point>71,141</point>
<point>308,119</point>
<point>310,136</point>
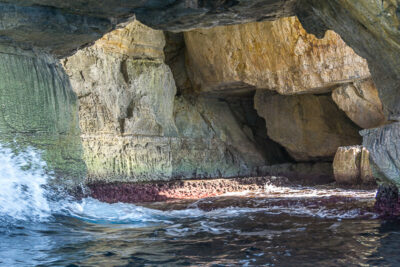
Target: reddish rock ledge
<point>181,189</point>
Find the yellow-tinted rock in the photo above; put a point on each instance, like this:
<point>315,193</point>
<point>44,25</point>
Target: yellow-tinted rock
<point>351,165</point>
<point>309,126</point>
<point>277,55</point>
<point>135,40</point>
<point>360,101</point>
<point>346,165</point>
<point>365,167</point>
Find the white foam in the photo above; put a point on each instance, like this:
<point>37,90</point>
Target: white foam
<point>22,181</point>
<point>23,197</point>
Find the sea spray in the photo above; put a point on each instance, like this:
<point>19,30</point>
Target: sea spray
<point>22,182</point>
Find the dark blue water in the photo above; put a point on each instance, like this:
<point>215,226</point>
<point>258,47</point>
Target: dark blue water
<point>278,226</point>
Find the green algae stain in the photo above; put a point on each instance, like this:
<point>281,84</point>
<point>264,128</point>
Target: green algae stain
<point>39,109</point>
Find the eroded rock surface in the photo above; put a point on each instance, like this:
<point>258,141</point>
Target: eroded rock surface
<point>351,165</point>
<point>39,109</point>
<point>278,55</point>
<point>310,127</point>
<point>361,103</point>
<point>384,148</point>
<point>60,27</point>
<point>134,128</point>
<point>371,29</point>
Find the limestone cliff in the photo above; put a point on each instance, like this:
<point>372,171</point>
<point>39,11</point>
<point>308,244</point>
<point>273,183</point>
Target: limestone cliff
<point>134,120</point>
<point>39,109</point>
<point>134,128</point>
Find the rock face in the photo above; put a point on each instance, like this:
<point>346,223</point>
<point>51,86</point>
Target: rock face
<point>310,127</point>
<point>351,165</point>
<point>60,27</point>
<point>361,103</point>
<point>39,109</point>
<point>278,55</point>
<point>384,148</point>
<point>134,128</point>
<point>371,29</point>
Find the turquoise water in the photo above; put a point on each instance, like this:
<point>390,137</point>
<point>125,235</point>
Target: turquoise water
<point>278,226</point>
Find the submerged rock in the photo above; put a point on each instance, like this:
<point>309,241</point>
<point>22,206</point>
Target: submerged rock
<point>310,127</point>
<point>361,103</point>
<point>278,55</point>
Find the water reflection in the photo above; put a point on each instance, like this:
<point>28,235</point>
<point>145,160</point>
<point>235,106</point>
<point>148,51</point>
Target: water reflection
<point>217,236</point>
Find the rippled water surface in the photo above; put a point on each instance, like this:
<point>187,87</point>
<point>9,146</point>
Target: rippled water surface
<point>276,227</point>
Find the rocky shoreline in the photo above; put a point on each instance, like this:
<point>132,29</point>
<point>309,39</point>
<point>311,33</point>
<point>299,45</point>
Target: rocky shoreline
<point>179,189</point>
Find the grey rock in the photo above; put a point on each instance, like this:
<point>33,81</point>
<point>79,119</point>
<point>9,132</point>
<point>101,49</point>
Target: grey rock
<point>384,149</point>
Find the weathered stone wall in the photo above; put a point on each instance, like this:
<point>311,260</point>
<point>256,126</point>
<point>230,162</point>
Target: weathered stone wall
<point>135,128</point>
<point>39,109</point>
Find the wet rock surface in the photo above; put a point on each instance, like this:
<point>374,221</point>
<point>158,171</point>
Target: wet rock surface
<point>38,110</point>
<point>193,189</point>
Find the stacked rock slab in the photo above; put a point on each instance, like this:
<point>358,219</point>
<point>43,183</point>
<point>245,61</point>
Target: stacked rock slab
<point>351,166</point>
<point>135,129</point>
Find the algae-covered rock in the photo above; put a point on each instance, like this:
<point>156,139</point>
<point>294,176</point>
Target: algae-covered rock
<point>38,108</point>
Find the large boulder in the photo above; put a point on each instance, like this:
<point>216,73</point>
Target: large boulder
<point>361,103</point>
<point>310,127</point>
<point>278,55</point>
<point>351,165</point>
